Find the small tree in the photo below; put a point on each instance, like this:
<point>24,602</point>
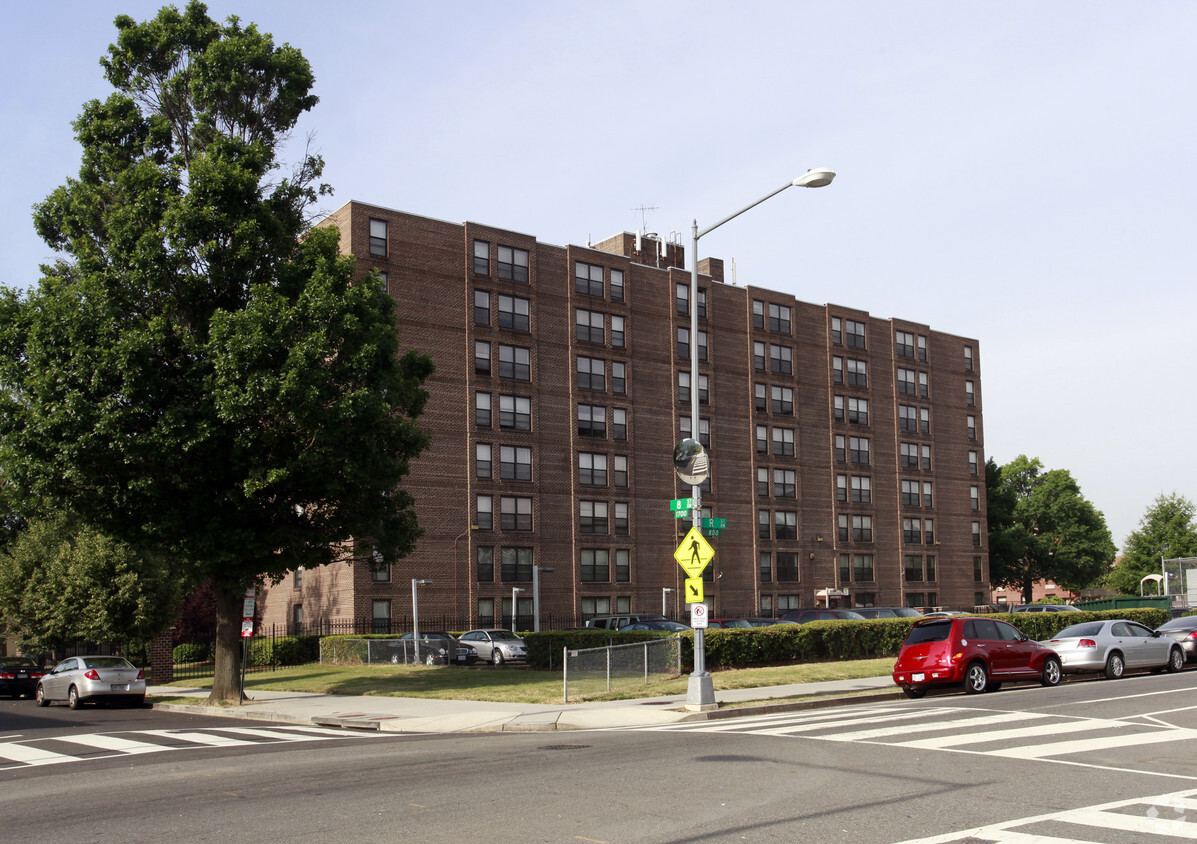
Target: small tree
<point>1166,530</point>
<point>204,378</point>
<point>1042,528</point>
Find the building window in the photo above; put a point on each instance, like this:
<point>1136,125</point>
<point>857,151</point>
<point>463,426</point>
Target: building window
<point>762,524</point>
<point>858,449</point>
<point>514,312</point>
<point>593,516</point>
<point>862,568</point>
<point>837,370</point>
<point>482,410</point>
<point>486,565</point>
<point>621,518</point>
<point>977,534</point>
<point>588,279</point>
<point>862,489</point>
<point>513,264</point>
<point>515,362</point>
<point>616,285</point>
<point>595,566</point>
<point>974,497</point>
<point>297,618</point>
<point>904,344</point>
<point>913,568</point>
<point>908,418</point>
<point>968,358</point>
<point>516,565</point>
<point>765,566</point>
<point>923,388</point>
<point>481,358</point>
<point>595,606</point>
<point>619,470</point>
<point>380,572</point>
<point>623,566</point>
<point>928,498</point>
<point>785,524</point>
<point>592,469</point>
<point>924,420</point>
<point>486,518</point>
<point>758,313</point>
<point>758,356</point>
<point>481,257</point>
<point>515,463</point>
<point>781,359</point>
<point>702,346</point>
<point>970,397</point>
<point>681,298</point>
<point>619,424</point>
<point>910,493</point>
<point>912,531</point>
<point>922,344</point>
<point>783,442</point>
<point>929,531</point>
<point>482,460</point>
<point>787,566</point>
<point>589,326</point>
<point>704,429</point>
<point>592,421</point>
<point>515,413</point>
<point>862,528</point>
<point>837,330</point>
<point>906,382</point>
<point>841,487</point>
<point>378,237</point>
<point>858,373</point>
<point>381,615</point>
<point>762,483</point>
<point>908,455</point>
<point>931,568</point>
<point>972,463</point>
<point>783,401</point>
<point>592,374</point>
<point>779,318</point>
<point>926,458</point>
<point>858,411</point>
<point>619,378</point>
<point>841,452</point>
<point>297,578</point>
<point>515,513</point>
<point>785,483</point>
<point>762,439</point>
<point>854,334</point>
<point>617,332</point>
<point>683,343</point>
<point>978,570</point>
<point>481,307</point>
<point>972,427</point>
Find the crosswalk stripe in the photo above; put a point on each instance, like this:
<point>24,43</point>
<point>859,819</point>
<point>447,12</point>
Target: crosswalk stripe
<point>1062,748</point>
<point>1038,730</point>
<point>108,742</point>
<point>932,726</point>
<point>200,738</point>
<point>33,755</point>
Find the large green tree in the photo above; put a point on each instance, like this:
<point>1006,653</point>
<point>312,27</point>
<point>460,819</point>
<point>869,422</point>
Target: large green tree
<point>1042,528</point>
<point>1166,530</point>
<point>201,375</point>
<point>62,582</point>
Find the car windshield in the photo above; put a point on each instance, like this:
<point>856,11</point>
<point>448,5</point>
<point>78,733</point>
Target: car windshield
<point>505,636</point>
<point>17,662</point>
<point>106,662</point>
<point>1183,623</point>
<point>934,632</point>
<point>1087,628</point>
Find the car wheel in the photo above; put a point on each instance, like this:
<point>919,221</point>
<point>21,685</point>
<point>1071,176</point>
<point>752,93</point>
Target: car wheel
<point>1115,667</point>
<point>913,692</point>
<point>73,698</point>
<point>976,678</point>
<point>993,687</point>
<point>40,696</point>
<point>1051,672</point>
<point>1176,660</point>
<point>496,657</point>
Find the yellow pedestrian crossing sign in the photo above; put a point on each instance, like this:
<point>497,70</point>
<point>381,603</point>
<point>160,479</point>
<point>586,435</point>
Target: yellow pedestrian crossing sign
<point>693,590</point>
<point>694,554</point>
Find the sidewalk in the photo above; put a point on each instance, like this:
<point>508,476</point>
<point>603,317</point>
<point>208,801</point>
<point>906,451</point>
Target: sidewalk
<point>426,715</point>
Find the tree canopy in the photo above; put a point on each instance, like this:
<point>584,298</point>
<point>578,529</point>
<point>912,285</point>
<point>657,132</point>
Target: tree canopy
<point>1166,531</point>
<point>201,375</point>
<point>1042,528</point>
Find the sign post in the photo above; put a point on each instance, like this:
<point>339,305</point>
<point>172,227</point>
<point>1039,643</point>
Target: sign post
<point>247,632</point>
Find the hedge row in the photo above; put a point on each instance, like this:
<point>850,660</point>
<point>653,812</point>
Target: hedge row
<point>281,650</point>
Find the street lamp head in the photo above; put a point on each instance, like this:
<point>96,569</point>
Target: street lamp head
<point>422,582</point>
<point>818,178</point>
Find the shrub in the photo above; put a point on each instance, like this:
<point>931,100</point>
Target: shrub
<point>186,653</point>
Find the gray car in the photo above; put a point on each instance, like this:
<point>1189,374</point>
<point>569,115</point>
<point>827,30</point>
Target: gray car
<point>437,648</point>
<point>496,646</point>
<point>82,679</point>
<point>1114,647</point>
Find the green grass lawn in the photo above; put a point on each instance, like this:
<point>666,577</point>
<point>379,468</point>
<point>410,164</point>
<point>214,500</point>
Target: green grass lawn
<point>521,685</point>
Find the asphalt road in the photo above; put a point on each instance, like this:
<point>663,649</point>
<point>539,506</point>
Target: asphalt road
<point>944,767</point>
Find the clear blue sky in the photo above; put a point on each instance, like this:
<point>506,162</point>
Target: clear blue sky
<point>1019,172</point>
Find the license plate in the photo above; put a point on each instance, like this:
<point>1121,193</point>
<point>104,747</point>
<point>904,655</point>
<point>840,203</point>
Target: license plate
<point>918,678</point>
<point>22,676</point>
<point>120,687</point>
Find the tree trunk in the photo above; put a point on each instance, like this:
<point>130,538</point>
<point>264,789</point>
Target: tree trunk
<point>226,678</point>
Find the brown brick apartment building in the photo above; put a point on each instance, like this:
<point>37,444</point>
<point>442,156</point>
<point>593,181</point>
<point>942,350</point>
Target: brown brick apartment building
<point>846,450</point>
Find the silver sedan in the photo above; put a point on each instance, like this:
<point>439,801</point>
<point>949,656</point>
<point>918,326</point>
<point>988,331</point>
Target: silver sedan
<point>1115,647</point>
<point>496,646</point>
<point>79,679</point>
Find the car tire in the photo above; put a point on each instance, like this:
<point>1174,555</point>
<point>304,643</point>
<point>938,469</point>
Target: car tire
<point>1176,660</point>
<point>1115,666</point>
<point>1052,672</point>
<point>73,700</point>
<point>914,692</point>
<point>993,687</point>
<point>976,678</point>
<point>40,696</point>
<point>496,657</point>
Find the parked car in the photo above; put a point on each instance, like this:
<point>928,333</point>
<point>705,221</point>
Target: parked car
<point>671,626</point>
<point>1045,608</point>
<point>614,622</point>
<point>19,675</point>
<point>887,612</point>
<point>944,614</point>
<point>1115,646</point>
<point>438,648</point>
<point>728,622</point>
<point>1184,631</point>
<point>977,653</point>
<point>495,646</point>
<point>92,679</point>
<point>824,614</point>
<point>767,622</point>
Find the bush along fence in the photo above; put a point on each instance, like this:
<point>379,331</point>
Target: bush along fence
<point>725,648</point>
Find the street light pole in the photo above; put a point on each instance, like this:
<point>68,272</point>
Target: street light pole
<point>700,693</point>
<point>664,592</point>
<point>415,613</point>
<point>515,590</point>
<point>536,570</point>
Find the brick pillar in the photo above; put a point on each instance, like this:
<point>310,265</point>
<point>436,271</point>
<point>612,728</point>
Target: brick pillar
<point>162,661</point>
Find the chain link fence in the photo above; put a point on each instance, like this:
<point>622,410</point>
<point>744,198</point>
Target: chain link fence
<point>589,672</point>
<point>370,651</point>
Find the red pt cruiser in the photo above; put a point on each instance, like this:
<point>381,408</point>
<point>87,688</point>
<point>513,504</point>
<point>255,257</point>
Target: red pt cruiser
<point>976,653</point>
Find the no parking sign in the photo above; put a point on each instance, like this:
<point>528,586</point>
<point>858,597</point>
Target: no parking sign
<point>698,616</point>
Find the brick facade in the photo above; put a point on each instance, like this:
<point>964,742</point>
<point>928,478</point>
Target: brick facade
<point>430,268</point>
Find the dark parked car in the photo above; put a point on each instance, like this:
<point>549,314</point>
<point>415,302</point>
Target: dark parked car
<point>441,649</point>
<point>670,626</point>
<point>976,653</point>
<point>728,622</point>
<point>615,622</point>
<point>767,622</point>
<point>1184,631</point>
<point>19,675</point>
<point>803,616</point>
<point>887,612</point>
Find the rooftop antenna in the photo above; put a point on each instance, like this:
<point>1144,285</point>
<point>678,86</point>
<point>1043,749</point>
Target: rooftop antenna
<point>644,209</point>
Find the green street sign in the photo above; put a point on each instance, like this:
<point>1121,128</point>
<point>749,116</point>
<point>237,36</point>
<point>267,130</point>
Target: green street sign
<point>681,504</point>
<point>714,524</point>
<point>681,514</point>
<point>711,531</point>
